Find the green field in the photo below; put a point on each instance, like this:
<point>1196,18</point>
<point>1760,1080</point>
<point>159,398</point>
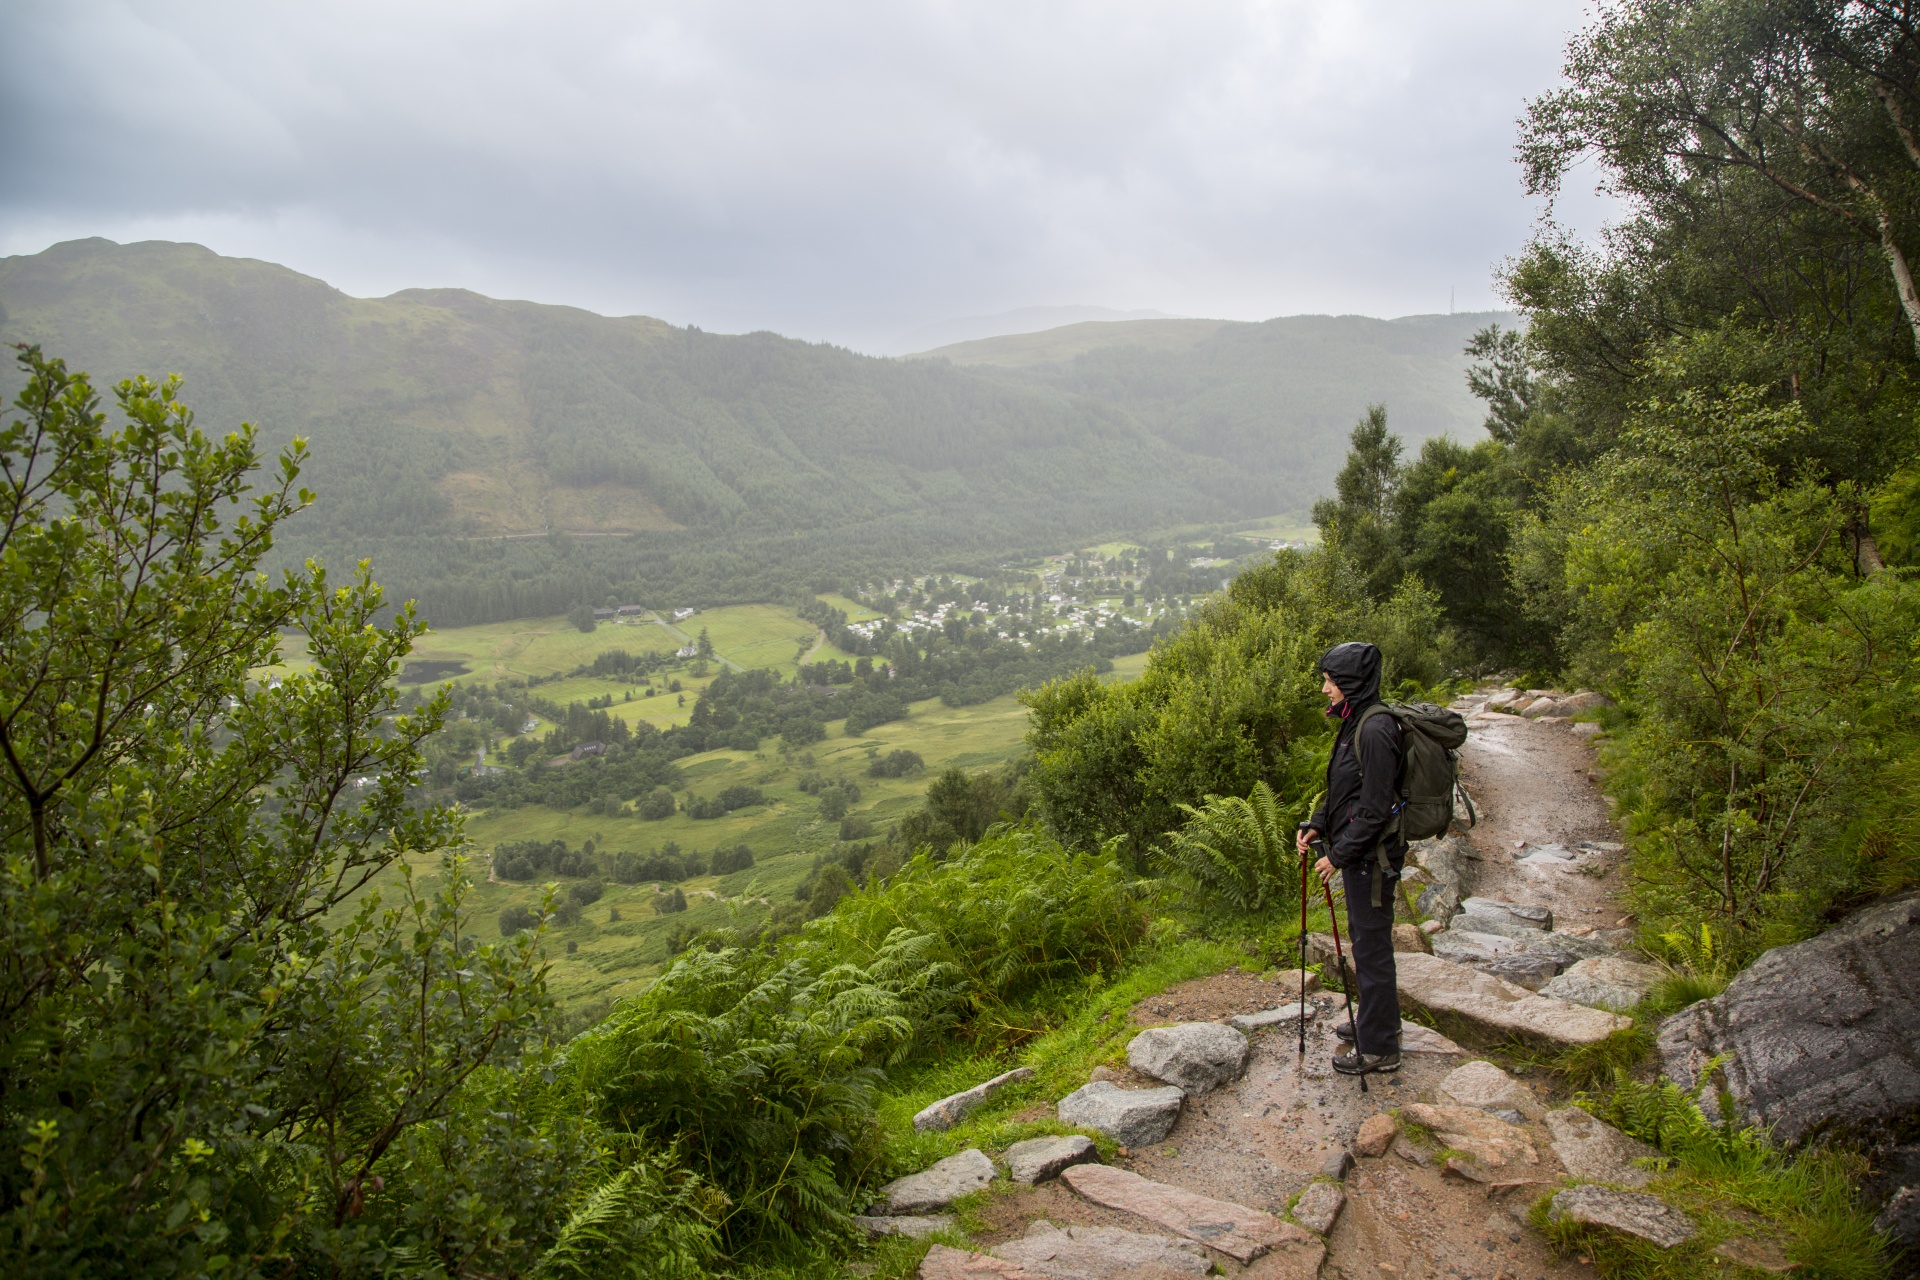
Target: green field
<point>744,635</point>
<point>614,957</point>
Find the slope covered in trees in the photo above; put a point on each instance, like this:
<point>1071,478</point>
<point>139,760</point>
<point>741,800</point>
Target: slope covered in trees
<point>501,459</point>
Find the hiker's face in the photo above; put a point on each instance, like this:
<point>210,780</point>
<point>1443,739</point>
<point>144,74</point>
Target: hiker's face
<point>1332,690</point>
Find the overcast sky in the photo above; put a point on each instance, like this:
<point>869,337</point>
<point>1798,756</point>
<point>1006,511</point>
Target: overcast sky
<point>839,171</point>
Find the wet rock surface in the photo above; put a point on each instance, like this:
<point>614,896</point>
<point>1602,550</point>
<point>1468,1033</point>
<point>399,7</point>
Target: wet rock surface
<point>1240,1232</point>
<point>1590,1148</point>
<point>1482,1084</point>
<point>1198,1057</point>
<point>1496,1008</point>
<point>1604,982</point>
<point>935,1187</point>
<point>919,1226</point>
<point>1824,1035</point>
<point>1131,1117</point>
<point>1319,1205</point>
<point>1630,1213</point>
<point>1097,1253</point>
<point>1286,1015</point>
<point>1038,1159</point>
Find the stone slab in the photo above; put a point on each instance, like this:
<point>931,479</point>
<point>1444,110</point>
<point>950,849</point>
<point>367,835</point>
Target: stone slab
<point>1286,1015</point>
<point>1376,1135</point>
<point>918,1226</point>
<point>1522,913</point>
<point>1241,1233</point>
<point>1415,1038</point>
<point>1038,1159</point>
<point>1131,1117</point>
<point>943,1262</point>
<point>1485,1137</point>
<point>1604,982</point>
<point>1318,1206</point>
<point>936,1186</point>
<point>1481,1084</point>
<point>1629,1212</point>
<point>1096,1253</point>
<point>1593,1150</point>
<point>1499,1008</point>
<point>952,1109</point>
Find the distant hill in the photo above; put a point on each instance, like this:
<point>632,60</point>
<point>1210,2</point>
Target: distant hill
<point>1274,399</point>
<point>1020,320</point>
<point>455,437</point>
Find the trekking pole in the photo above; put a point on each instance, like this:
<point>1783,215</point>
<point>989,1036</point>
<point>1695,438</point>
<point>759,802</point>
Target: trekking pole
<point>1340,958</point>
<point>1300,993</point>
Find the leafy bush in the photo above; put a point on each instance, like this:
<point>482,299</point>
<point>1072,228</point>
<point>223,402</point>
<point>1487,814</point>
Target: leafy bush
<point>515,919</point>
<point>899,763</point>
<point>1232,700</point>
<point>203,1068</point>
<point>735,797</point>
<point>586,892</point>
<point>727,861</point>
<point>671,902</point>
<point>1237,857</point>
<point>532,859</point>
<point>656,804</point>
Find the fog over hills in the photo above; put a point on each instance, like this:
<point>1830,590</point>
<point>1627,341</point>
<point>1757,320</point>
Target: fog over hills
<point>439,419</point>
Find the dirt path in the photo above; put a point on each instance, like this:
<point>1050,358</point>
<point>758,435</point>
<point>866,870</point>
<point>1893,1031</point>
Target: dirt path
<point>1261,1140</point>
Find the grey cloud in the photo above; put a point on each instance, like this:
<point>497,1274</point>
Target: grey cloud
<point>833,170</point>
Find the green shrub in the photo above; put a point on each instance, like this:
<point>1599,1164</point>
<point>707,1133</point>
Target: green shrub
<point>1237,857</point>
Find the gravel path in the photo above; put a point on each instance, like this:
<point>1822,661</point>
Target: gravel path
<point>1259,1141</point>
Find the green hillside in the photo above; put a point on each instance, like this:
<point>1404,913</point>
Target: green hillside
<point>509,459</point>
<point>1274,399</point>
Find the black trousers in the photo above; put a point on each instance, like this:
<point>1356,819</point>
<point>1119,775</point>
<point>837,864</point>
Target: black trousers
<point>1370,938</point>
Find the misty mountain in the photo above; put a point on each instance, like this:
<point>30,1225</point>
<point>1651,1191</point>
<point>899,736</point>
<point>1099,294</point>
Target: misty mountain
<point>443,423</point>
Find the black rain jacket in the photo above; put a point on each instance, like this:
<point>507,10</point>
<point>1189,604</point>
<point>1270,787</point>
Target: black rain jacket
<point>1356,812</point>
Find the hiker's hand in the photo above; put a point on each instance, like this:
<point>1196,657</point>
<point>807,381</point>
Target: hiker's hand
<point>1325,869</point>
<point>1303,840</point>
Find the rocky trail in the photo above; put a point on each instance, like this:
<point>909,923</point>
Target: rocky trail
<point>1237,1155</point>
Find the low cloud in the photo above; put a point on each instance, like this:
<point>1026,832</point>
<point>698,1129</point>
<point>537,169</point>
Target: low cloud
<point>842,171</point>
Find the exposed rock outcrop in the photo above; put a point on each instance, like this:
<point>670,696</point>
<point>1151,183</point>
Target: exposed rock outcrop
<point>1822,1036</point>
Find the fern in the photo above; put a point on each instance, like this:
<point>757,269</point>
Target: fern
<point>647,1221</point>
<point>1236,855</point>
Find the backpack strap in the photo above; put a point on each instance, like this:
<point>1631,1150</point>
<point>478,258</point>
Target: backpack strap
<point>1382,867</point>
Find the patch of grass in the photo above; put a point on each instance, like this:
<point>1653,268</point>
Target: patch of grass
<point>1733,1182</point>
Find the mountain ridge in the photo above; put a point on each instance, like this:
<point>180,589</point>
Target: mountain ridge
<point>440,416</point>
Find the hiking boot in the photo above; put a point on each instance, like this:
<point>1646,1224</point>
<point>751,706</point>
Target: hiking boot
<point>1345,1031</point>
<point>1357,1064</point>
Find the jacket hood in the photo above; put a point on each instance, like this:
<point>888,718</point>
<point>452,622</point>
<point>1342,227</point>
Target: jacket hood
<point>1355,667</point>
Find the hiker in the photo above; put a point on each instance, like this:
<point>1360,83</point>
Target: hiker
<point>1360,822</point>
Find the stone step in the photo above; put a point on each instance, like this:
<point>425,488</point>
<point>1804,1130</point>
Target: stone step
<point>1499,1008</point>
<point>1098,1253</point>
<point>936,1186</point>
<point>943,1262</point>
<point>1241,1233</point>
